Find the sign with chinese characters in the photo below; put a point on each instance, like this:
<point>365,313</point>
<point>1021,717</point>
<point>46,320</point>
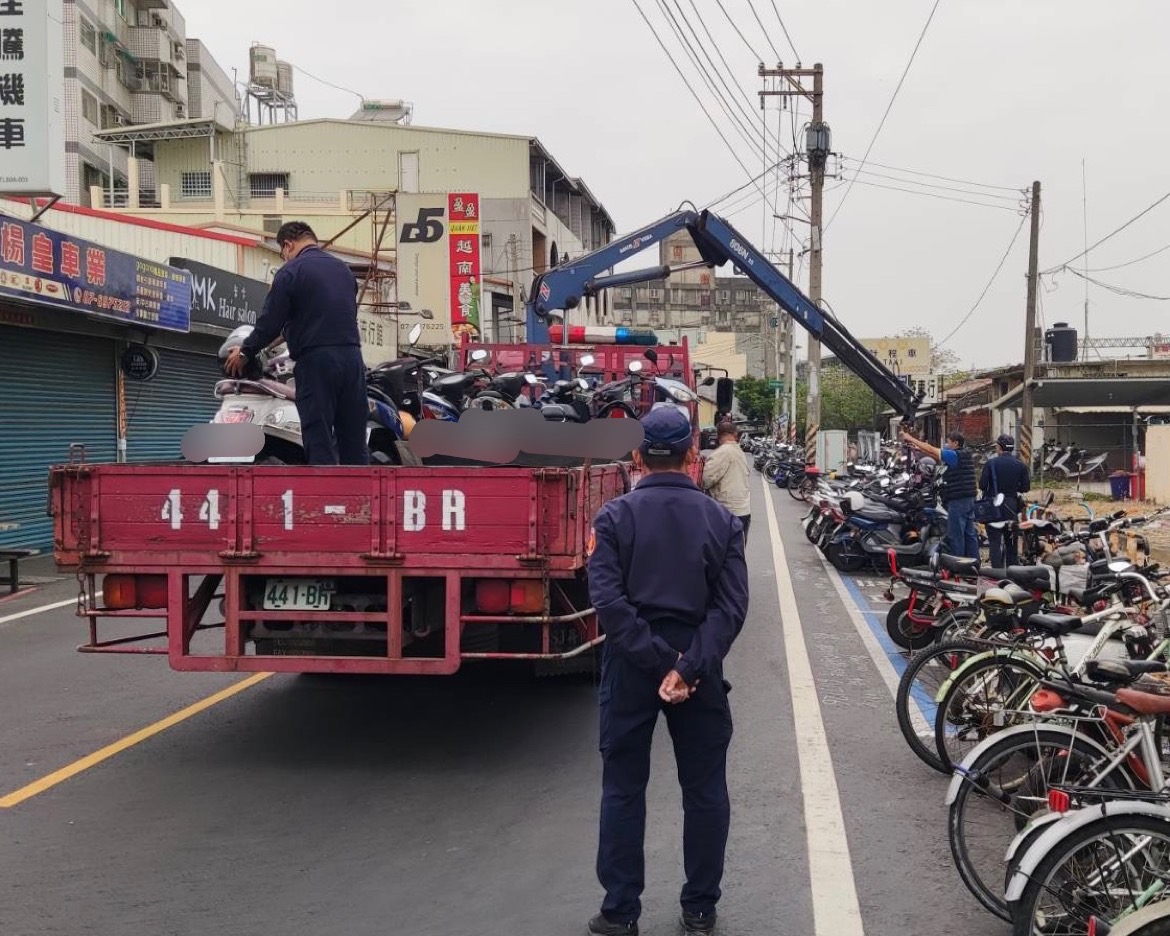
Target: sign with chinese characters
<point>463,244</point>
<point>423,259</point>
<point>139,362</point>
<point>54,269</point>
<point>378,337</point>
<point>906,357</point>
<point>220,299</point>
<point>32,97</point>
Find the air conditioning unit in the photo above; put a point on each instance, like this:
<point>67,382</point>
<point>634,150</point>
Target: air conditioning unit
<point>180,111</point>
<point>120,120</point>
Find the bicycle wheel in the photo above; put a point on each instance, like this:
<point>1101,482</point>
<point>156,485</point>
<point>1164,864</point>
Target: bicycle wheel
<point>1106,869</point>
<point>914,700</point>
<point>795,480</point>
<point>980,702</point>
<point>1014,776</point>
<point>907,633</point>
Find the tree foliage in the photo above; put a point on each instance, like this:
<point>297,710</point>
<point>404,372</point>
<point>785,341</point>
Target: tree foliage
<point>756,402</point>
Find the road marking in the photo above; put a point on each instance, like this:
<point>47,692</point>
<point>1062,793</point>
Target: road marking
<point>890,675</point>
<point>836,911</point>
<point>7,619</point>
<point>92,760</point>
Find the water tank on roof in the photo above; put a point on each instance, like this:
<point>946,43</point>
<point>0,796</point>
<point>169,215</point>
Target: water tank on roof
<point>284,78</point>
<point>1061,340</point>
<point>262,65</point>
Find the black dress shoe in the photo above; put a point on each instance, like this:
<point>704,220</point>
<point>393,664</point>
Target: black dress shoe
<point>600,925</point>
<point>698,924</point>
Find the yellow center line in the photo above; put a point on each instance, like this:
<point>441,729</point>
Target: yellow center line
<point>92,760</point>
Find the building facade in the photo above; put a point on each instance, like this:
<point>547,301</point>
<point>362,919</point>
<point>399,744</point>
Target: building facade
<point>129,62</point>
<point>343,177</point>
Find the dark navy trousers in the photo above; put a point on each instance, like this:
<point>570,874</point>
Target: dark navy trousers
<point>701,731</point>
<point>331,401</point>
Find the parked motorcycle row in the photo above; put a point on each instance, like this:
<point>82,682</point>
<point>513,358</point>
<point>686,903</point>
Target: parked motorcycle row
<point>414,387</point>
<point>1042,690</point>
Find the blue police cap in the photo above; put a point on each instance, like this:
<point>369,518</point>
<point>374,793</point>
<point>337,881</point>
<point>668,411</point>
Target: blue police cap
<point>666,432</point>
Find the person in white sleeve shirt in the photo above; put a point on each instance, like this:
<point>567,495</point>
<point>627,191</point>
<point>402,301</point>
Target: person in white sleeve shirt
<point>725,475</point>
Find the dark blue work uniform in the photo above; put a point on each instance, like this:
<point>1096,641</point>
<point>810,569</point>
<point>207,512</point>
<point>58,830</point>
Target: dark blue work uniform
<point>667,575</point>
<point>313,300</point>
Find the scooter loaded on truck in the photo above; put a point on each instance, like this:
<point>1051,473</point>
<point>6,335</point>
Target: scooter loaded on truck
<point>411,565</point>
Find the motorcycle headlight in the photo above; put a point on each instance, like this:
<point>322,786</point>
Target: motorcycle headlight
<point>679,395</point>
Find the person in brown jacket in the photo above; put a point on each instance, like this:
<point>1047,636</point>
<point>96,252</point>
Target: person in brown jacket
<point>725,475</point>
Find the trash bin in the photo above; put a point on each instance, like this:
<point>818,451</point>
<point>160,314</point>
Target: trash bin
<point>1119,486</point>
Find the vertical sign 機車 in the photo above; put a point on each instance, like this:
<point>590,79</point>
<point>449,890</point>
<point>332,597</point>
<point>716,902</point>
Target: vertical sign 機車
<point>422,262</point>
<point>32,98</point>
<point>463,244</point>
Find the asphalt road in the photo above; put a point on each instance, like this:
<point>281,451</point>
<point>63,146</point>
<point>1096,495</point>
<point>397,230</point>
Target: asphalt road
<point>309,805</point>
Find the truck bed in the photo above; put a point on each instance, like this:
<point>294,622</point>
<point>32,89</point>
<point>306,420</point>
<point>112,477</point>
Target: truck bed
<point>154,516</point>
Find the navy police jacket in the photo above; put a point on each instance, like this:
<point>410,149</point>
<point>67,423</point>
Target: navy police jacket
<point>313,300</point>
<point>668,552</point>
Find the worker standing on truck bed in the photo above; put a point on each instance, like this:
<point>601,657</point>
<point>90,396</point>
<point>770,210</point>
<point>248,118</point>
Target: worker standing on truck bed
<point>668,578</point>
<point>313,299</point>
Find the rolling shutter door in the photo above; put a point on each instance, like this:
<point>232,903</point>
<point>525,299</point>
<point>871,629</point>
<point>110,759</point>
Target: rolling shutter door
<point>160,411</point>
<point>55,389</point>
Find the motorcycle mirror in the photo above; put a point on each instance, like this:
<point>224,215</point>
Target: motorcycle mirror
<point>587,360</point>
<point>635,367</point>
<point>479,354</point>
<point>426,313</point>
<point>531,380</point>
<point>415,335</point>
<point>651,355</point>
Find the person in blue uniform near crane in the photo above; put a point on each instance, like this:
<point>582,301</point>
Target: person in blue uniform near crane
<point>668,577</point>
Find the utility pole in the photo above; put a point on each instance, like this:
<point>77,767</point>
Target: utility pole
<point>817,150</point>
<point>1030,327</point>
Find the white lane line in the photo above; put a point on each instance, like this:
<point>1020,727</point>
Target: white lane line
<point>836,911</point>
<point>41,610</point>
<point>880,658</point>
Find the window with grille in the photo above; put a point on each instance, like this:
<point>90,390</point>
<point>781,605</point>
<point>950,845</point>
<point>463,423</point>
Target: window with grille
<point>265,184</point>
<point>195,185</point>
<point>88,35</point>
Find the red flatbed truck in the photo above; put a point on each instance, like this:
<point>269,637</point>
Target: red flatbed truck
<point>386,569</point>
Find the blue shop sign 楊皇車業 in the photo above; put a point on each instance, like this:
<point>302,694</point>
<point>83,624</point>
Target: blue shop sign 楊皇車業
<point>54,269</point>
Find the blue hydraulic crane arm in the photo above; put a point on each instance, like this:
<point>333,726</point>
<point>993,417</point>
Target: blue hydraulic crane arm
<point>718,242</point>
<point>718,239</point>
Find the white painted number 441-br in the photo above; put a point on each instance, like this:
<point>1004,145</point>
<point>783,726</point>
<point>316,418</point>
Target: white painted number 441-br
<point>452,510</point>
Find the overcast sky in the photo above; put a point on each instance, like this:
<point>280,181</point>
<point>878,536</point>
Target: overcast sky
<point>1001,92</point>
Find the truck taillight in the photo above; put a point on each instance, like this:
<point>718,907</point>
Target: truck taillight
<point>504,596</point>
<point>123,592</point>
<point>527,596</point>
<point>492,596</point>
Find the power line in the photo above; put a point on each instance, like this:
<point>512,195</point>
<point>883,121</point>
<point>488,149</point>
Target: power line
<point>743,129</point>
<point>1005,188</point>
<point>698,100</point>
<point>1118,290</point>
<point>894,188</point>
<point>752,7</point>
<point>756,55</point>
<point>943,188</point>
<point>330,84</point>
<point>1118,266</point>
<point>987,288</point>
<point>722,58</point>
<point>889,106</point>
<point>1140,214</point>
<point>785,28</point>
<point>714,68</point>
<point>749,182</point>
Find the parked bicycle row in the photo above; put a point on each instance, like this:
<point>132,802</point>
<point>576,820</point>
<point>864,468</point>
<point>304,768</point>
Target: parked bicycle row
<point>1042,689</point>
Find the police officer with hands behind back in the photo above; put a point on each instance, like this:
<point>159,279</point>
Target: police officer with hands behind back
<point>313,300</point>
<point>668,578</point>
